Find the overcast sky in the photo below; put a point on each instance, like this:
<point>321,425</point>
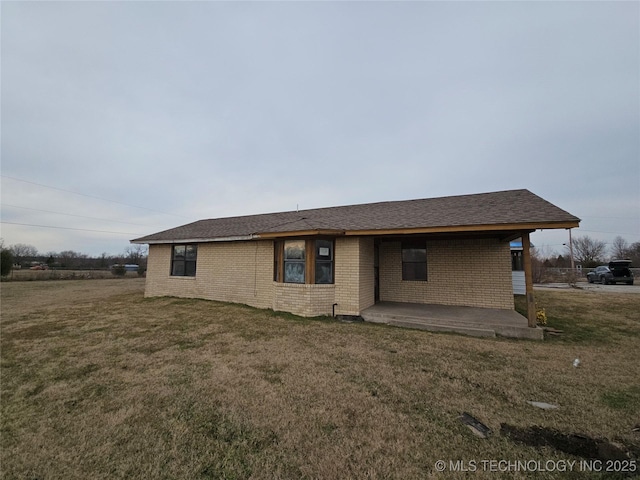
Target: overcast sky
<point>162,113</point>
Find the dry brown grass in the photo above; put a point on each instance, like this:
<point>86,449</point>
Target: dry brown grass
<point>98,382</point>
<point>27,275</point>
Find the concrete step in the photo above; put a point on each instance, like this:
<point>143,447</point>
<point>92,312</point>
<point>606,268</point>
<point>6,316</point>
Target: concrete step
<point>454,325</point>
<point>430,325</point>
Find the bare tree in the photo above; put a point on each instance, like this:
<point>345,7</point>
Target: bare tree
<point>104,260</point>
<point>634,254</point>
<point>71,259</point>
<point>587,251</point>
<point>21,252</point>
<point>537,265</point>
<point>619,248</point>
<point>136,254</point>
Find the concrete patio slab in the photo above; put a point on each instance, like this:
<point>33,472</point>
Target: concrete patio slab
<point>480,322</point>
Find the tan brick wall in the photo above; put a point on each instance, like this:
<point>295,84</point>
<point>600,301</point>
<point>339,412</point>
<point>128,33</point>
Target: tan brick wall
<point>460,272</point>
<point>304,300</point>
<point>240,272</point>
<point>367,274</point>
<point>354,275</point>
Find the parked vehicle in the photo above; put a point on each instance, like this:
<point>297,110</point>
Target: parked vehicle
<point>616,271</point>
<point>127,268</point>
<point>41,266</point>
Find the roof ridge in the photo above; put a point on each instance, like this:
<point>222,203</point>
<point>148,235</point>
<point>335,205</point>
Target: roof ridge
<point>385,202</point>
<point>518,208</point>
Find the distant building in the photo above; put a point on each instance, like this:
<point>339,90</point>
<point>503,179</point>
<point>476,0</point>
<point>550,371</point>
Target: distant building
<point>130,267</point>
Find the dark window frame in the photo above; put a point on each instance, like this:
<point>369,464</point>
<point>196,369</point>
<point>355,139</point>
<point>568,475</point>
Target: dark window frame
<point>414,268</point>
<point>185,266</point>
<point>323,261</point>
<point>278,267</point>
<point>517,261</point>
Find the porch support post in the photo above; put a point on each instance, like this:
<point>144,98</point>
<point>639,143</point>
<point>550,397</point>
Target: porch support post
<point>528,278</point>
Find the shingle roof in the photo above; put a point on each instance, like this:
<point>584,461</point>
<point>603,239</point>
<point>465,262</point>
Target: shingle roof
<point>491,210</point>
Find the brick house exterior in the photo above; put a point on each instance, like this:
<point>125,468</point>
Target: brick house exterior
<point>342,260</point>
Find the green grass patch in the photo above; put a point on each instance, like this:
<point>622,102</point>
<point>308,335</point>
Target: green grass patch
<point>626,399</point>
<point>588,317</point>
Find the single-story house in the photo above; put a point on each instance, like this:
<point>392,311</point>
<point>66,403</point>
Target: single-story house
<point>341,260</point>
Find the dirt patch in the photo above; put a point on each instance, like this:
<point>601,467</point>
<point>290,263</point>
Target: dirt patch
<point>571,443</point>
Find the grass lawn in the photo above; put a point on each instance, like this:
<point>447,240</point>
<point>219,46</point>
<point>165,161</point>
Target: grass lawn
<point>99,382</point>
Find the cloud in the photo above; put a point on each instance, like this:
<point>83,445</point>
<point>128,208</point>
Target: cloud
<point>204,109</point>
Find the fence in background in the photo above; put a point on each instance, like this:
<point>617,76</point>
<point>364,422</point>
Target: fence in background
<point>22,275</point>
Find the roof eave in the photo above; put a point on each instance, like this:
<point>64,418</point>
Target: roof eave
<point>532,226</point>
<point>301,233</point>
<point>505,227</point>
<point>236,238</point>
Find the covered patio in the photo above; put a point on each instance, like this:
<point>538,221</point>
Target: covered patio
<point>479,322</point>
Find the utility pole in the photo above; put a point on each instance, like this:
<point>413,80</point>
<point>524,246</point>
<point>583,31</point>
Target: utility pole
<point>573,265</point>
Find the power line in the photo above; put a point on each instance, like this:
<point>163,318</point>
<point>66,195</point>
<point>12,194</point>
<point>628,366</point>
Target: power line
<point>72,215</point>
<point>90,196</point>
<point>617,218</point>
<point>612,233</point>
<point>69,228</point>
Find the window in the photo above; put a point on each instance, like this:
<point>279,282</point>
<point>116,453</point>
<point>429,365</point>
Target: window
<point>414,261</point>
<point>294,261</point>
<point>278,249</point>
<point>303,261</point>
<point>324,261</point>
<point>183,260</point>
<point>516,261</point>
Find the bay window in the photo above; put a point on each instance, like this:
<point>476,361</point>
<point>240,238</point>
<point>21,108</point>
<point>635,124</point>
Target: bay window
<point>303,261</point>
<point>294,261</point>
<point>324,261</point>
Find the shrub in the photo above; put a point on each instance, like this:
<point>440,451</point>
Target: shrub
<point>541,316</point>
<point>6,262</point>
<point>118,270</point>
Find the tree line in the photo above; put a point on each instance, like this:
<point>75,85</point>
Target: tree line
<point>590,253</point>
<point>587,252</point>
<point>22,255</point>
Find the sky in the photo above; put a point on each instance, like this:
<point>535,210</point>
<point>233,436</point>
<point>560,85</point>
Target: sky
<point>121,119</point>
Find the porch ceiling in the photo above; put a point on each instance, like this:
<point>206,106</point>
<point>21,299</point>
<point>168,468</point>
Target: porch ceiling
<point>504,236</point>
